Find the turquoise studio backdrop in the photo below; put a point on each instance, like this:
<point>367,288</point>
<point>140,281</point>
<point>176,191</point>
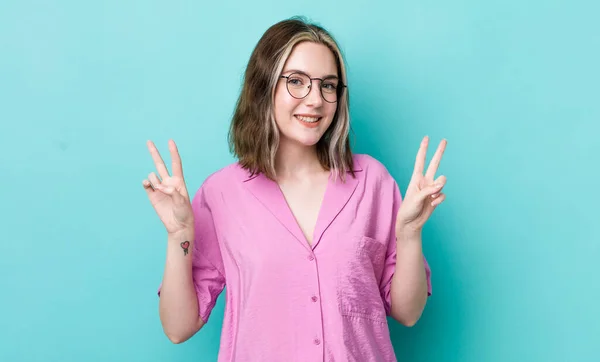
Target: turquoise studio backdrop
<point>512,86</point>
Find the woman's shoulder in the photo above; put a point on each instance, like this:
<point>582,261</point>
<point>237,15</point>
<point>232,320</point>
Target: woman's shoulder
<point>375,176</point>
<point>225,176</point>
<point>370,165</point>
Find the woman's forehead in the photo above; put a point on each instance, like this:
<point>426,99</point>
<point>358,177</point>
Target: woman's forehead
<point>316,60</point>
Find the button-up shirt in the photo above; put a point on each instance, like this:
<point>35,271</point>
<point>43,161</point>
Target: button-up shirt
<point>287,300</point>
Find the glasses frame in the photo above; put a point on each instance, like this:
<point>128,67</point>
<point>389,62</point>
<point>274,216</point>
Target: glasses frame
<point>340,89</point>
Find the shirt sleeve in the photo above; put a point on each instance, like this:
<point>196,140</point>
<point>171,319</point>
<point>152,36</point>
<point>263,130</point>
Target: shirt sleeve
<point>207,265</point>
<point>390,257</point>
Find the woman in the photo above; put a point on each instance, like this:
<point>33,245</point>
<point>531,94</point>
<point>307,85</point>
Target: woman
<point>314,244</point>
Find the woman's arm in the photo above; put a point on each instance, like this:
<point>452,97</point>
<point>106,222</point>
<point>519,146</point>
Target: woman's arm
<point>409,283</point>
<point>178,304</point>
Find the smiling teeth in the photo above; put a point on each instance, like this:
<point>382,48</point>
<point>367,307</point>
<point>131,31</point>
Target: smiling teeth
<point>308,119</point>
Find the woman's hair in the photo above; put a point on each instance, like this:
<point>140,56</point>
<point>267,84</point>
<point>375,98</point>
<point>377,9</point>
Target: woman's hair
<point>253,134</point>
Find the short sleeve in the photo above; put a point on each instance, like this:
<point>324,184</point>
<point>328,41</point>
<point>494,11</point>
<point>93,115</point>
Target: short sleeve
<point>390,257</point>
<point>207,266</point>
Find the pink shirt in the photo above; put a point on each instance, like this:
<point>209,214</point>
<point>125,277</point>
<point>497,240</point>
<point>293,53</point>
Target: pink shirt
<point>288,301</point>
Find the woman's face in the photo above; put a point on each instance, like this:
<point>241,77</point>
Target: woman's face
<point>304,120</point>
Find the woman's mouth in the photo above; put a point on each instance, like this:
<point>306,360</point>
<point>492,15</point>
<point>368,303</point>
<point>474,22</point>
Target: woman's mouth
<point>310,122</point>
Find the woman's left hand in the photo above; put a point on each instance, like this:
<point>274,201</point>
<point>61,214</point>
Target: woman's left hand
<point>424,192</point>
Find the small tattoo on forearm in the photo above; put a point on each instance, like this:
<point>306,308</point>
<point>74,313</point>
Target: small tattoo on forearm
<point>185,245</point>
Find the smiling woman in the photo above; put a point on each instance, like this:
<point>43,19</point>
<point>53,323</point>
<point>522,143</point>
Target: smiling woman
<point>314,243</point>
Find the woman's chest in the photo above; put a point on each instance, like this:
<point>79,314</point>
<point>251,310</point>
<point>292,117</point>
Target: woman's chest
<point>268,235</point>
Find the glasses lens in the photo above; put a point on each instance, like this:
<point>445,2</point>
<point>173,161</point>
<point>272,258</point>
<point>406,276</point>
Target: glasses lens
<point>298,85</point>
<point>329,89</point>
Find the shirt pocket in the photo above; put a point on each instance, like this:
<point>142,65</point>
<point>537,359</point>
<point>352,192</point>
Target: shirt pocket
<point>358,276</point>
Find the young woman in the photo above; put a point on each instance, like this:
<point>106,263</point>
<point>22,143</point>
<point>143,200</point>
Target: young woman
<point>314,243</point>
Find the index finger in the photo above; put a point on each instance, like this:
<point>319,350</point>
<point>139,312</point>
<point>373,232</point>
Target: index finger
<point>175,160</point>
<point>435,161</point>
<point>158,161</point>
<point>420,161</point>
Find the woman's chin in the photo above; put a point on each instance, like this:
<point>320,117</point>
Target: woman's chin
<point>303,141</point>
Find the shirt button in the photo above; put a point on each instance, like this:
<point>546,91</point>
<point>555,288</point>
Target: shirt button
<point>317,341</point>
<point>314,299</point>
<point>311,258</point>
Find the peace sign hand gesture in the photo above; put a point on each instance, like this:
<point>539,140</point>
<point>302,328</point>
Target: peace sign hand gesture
<point>423,194</point>
<point>168,194</point>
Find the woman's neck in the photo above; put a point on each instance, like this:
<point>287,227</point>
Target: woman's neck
<point>297,161</point>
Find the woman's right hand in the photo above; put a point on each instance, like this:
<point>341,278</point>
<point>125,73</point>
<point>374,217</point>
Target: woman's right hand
<point>168,194</point>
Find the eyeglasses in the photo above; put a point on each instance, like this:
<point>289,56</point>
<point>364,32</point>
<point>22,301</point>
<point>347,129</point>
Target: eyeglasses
<point>299,85</point>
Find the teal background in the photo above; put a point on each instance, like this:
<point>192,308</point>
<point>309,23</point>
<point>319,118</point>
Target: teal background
<point>512,85</point>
